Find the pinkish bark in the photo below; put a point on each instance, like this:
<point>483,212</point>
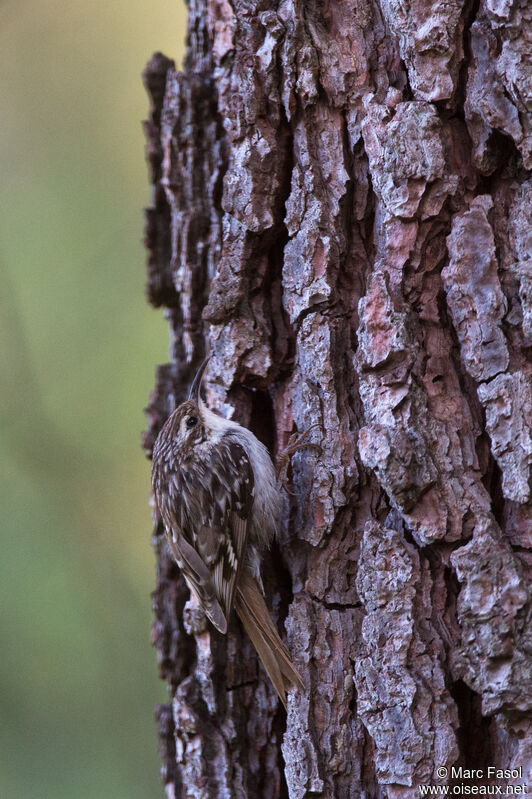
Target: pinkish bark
<point>341,214</point>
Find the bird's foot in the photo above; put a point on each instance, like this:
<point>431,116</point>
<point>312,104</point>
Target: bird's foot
<point>296,443</point>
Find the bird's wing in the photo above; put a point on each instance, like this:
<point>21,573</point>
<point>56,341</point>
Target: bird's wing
<point>221,539</point>
<point>198,579</point>
<point>206,513</point>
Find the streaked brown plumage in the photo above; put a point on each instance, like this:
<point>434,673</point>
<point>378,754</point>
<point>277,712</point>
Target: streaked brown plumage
<point>216,490</point>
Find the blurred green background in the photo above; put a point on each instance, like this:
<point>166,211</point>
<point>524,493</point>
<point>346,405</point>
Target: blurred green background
<point>78,348</point>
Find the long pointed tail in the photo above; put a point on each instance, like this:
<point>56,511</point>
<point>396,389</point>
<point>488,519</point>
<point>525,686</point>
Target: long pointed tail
<point>251,608</point>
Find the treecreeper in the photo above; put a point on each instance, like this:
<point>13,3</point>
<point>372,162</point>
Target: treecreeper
<point>217,492</point>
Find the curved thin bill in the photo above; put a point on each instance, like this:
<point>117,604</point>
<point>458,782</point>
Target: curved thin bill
<point>195,388</point>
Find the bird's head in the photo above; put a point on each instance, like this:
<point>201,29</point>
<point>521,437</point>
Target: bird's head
<point>185,427</point>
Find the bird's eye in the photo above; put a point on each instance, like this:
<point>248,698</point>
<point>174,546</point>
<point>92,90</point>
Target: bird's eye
<point>191,421</point>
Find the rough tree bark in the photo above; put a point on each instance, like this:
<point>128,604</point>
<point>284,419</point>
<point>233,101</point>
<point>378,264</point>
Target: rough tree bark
<point>341,214</point>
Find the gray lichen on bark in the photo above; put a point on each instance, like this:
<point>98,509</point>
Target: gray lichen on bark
<point>341,213</point>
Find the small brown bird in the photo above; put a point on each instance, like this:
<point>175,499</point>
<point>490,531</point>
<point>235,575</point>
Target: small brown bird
<point>216,490</point>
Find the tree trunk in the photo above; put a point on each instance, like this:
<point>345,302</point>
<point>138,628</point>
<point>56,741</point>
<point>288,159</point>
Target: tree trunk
<point>340,216</point>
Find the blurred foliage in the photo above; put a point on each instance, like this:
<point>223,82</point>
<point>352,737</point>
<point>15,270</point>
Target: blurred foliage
<point>78,347</point>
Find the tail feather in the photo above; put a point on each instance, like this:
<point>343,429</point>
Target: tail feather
<point>251,608</point>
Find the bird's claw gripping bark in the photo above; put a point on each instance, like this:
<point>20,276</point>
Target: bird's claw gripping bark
<point>296,443</point>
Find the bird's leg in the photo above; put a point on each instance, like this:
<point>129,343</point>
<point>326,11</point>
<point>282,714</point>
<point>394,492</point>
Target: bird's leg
<point>296,443</point>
